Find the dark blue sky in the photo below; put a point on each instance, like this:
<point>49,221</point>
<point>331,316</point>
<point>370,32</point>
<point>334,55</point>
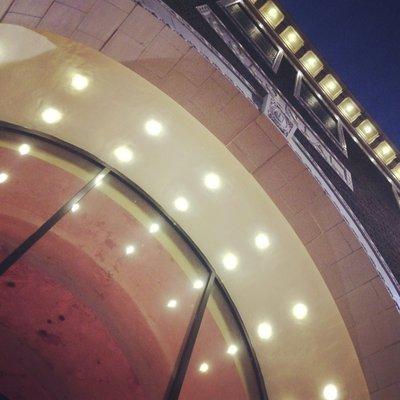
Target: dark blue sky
<point>360,40</point>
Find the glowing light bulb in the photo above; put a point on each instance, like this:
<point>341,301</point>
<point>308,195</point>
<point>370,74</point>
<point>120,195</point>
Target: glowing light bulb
<point>264,330</point>
<point>232,349</point>
<point>312,61</point>
<point>331,86</point>
<point>300,311</point>
<point>79,82</point>
<point>24,149</point>
<point>129,250</point>
<point>330,392</point>
<point>51,115</point>
<point>198,284</point>
<point>154,228</point>
<point>172,303</point>
<point>367,129</point>
<point>273,13</point>
<point>230,261</point>
<point>204,367</point>
<point>153,127</point>
<point>349,108</point>
<point>262,241</point>
<point>212,181</point>
<point>75,207</point>
<point>3,177</point>
<point>181,204</point>
<point>123,153</point>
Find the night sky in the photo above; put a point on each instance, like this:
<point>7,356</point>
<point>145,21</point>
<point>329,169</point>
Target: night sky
<point>360,40</point>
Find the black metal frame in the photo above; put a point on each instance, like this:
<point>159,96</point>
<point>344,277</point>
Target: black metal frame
<point>183,359</point>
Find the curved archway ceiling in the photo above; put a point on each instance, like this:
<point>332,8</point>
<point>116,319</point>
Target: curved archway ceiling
<point>222,213</point>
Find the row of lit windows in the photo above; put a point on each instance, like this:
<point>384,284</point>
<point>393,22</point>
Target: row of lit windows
<point>330,86</point>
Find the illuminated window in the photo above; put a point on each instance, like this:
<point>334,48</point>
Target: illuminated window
<point>385,152</point>
<point>330,86</point>
<point>292,39</point>
<point>315,105</point>
<point>251,28</point>
<point>367,131</point>
<point>272,14</point>
<point>311,63</point>
<point>349,109</point>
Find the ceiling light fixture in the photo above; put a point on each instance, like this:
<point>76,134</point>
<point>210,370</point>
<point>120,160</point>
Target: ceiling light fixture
<point>79,82</point>
<point>154,228</point>
<point>204,367</point>
<point>300,311</point>
<point>230,261</point>
<point>262,241</point>
<point>172,303</point>
<point>24,149</point>
<point>272,13</point>
<point>130,250</point>
<point>181,204</point>
<point>153,127</point>
<point>3,177</point>
<point>330,86</point>
<point>198,284</point>
<point>123,153</point>
<point>264,330</point>
<point>51,115</point>
<point>212,181</point>
<point>292,39</point>
<point>232,349</point>
<point>330,392</point>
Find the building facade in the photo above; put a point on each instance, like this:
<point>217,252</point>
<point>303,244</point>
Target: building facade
<point>217,217</point>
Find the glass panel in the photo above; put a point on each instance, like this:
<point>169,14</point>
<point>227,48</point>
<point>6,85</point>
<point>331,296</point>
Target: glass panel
<point>318,108</point>
<point>250,27</point>
<point>37,179</point>
<point>220,366</point>
<point>105,298</point>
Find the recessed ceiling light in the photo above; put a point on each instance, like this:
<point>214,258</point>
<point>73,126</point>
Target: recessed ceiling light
<point>349,109</point>
<point>232,349</point>
<point>181,204</point>
<point>154,228</point>
<point>204,367</point>
<point>75,207</point>
<point>123,153</point>
<point>272,13</point>
<point>3,177</point>
<point>129,249</point>
<point>198,284</point>
<point>51,115</point>
<point>230,261</point>
<point>300,311</point>
<point>172,303</point>
<point>292,39</point>
<point>79,82</point>
<point>264,330</point>
<point>212,181</point>
<point>330,392</point>
<point>330,86</point>
<point>153,127</point>
<point>24,149</point>
<point>262,241</point>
